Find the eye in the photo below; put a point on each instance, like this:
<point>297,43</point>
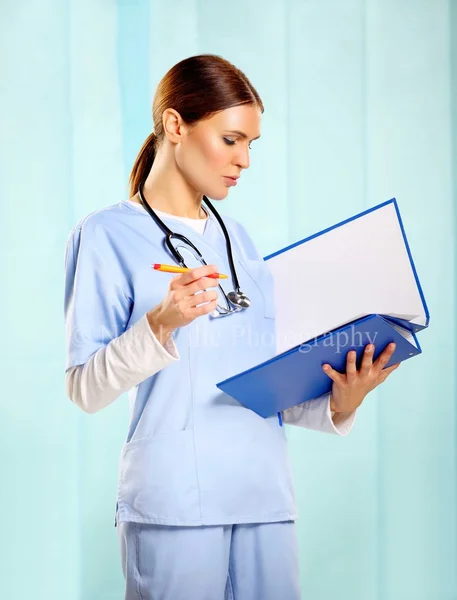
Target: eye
<point>232,142</point>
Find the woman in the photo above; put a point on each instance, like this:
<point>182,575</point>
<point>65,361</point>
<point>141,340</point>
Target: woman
<point>205,499</point>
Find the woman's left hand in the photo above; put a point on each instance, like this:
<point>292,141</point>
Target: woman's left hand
<point>350,389</point>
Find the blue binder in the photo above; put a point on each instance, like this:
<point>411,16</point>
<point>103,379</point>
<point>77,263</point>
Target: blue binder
<point>296,376</point>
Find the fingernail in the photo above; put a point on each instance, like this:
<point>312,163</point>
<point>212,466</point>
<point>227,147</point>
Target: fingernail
<point>392,345</point>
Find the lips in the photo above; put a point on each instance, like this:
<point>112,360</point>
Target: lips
<point>230,180</point>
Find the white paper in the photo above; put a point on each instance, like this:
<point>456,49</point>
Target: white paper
<point>355,269</point>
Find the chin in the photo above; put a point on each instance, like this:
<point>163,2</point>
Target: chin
<point>217,194</point>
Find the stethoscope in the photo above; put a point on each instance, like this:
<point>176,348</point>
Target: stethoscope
<point>237,298</point>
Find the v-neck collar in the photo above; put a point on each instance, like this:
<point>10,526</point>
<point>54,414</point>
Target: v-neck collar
<point>210,221</point>
<point>215,242</point>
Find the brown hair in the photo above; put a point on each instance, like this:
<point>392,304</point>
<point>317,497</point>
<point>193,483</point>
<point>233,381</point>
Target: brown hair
<point>197,88</point>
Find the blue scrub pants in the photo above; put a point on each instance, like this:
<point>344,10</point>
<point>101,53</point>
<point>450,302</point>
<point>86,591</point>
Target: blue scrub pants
<point>223,562</point>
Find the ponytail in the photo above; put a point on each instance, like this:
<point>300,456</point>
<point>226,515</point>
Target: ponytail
<point>143,163</point>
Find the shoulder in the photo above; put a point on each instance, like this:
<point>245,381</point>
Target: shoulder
<point>97,225</point>
<point>94,245</point>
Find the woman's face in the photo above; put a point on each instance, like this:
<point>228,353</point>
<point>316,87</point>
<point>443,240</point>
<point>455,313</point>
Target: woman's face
<point>218,148</point>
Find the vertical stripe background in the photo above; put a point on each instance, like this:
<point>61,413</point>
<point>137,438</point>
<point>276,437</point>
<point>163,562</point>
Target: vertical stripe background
<point>361,106</point>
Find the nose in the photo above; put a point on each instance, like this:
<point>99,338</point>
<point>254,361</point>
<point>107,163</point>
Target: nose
<point>242,157</point>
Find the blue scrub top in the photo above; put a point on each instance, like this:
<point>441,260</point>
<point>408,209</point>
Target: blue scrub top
<point>193,455</point>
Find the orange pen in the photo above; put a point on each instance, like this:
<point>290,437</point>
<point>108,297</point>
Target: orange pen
<point>175,269</point>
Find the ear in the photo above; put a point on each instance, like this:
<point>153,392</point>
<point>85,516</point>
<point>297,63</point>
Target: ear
<point>173,125</point>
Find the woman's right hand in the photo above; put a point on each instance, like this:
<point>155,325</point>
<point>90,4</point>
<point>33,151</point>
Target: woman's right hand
<point>179,307</point>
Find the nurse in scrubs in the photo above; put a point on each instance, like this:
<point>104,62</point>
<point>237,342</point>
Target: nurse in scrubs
<point>205,503</point>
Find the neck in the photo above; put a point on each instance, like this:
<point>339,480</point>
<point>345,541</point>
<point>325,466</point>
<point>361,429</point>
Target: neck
<point>166,189</point>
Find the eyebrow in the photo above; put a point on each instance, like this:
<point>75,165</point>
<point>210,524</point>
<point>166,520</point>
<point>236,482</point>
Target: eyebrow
<point>241,134</point>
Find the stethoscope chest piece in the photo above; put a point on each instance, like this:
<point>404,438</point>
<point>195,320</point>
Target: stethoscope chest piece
<point>239,299</point>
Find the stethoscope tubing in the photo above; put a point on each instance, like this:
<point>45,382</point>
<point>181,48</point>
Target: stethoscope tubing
<point>169,235</point>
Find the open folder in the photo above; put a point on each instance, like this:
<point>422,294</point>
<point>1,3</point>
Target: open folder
<point>345,287</point>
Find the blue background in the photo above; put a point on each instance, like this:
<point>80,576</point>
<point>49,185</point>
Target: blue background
<point>361,106</point>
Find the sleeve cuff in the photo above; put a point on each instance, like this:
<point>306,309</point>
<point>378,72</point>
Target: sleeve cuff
<point>316,414</point>
<point>167,351</point>
<point>342,423</point>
